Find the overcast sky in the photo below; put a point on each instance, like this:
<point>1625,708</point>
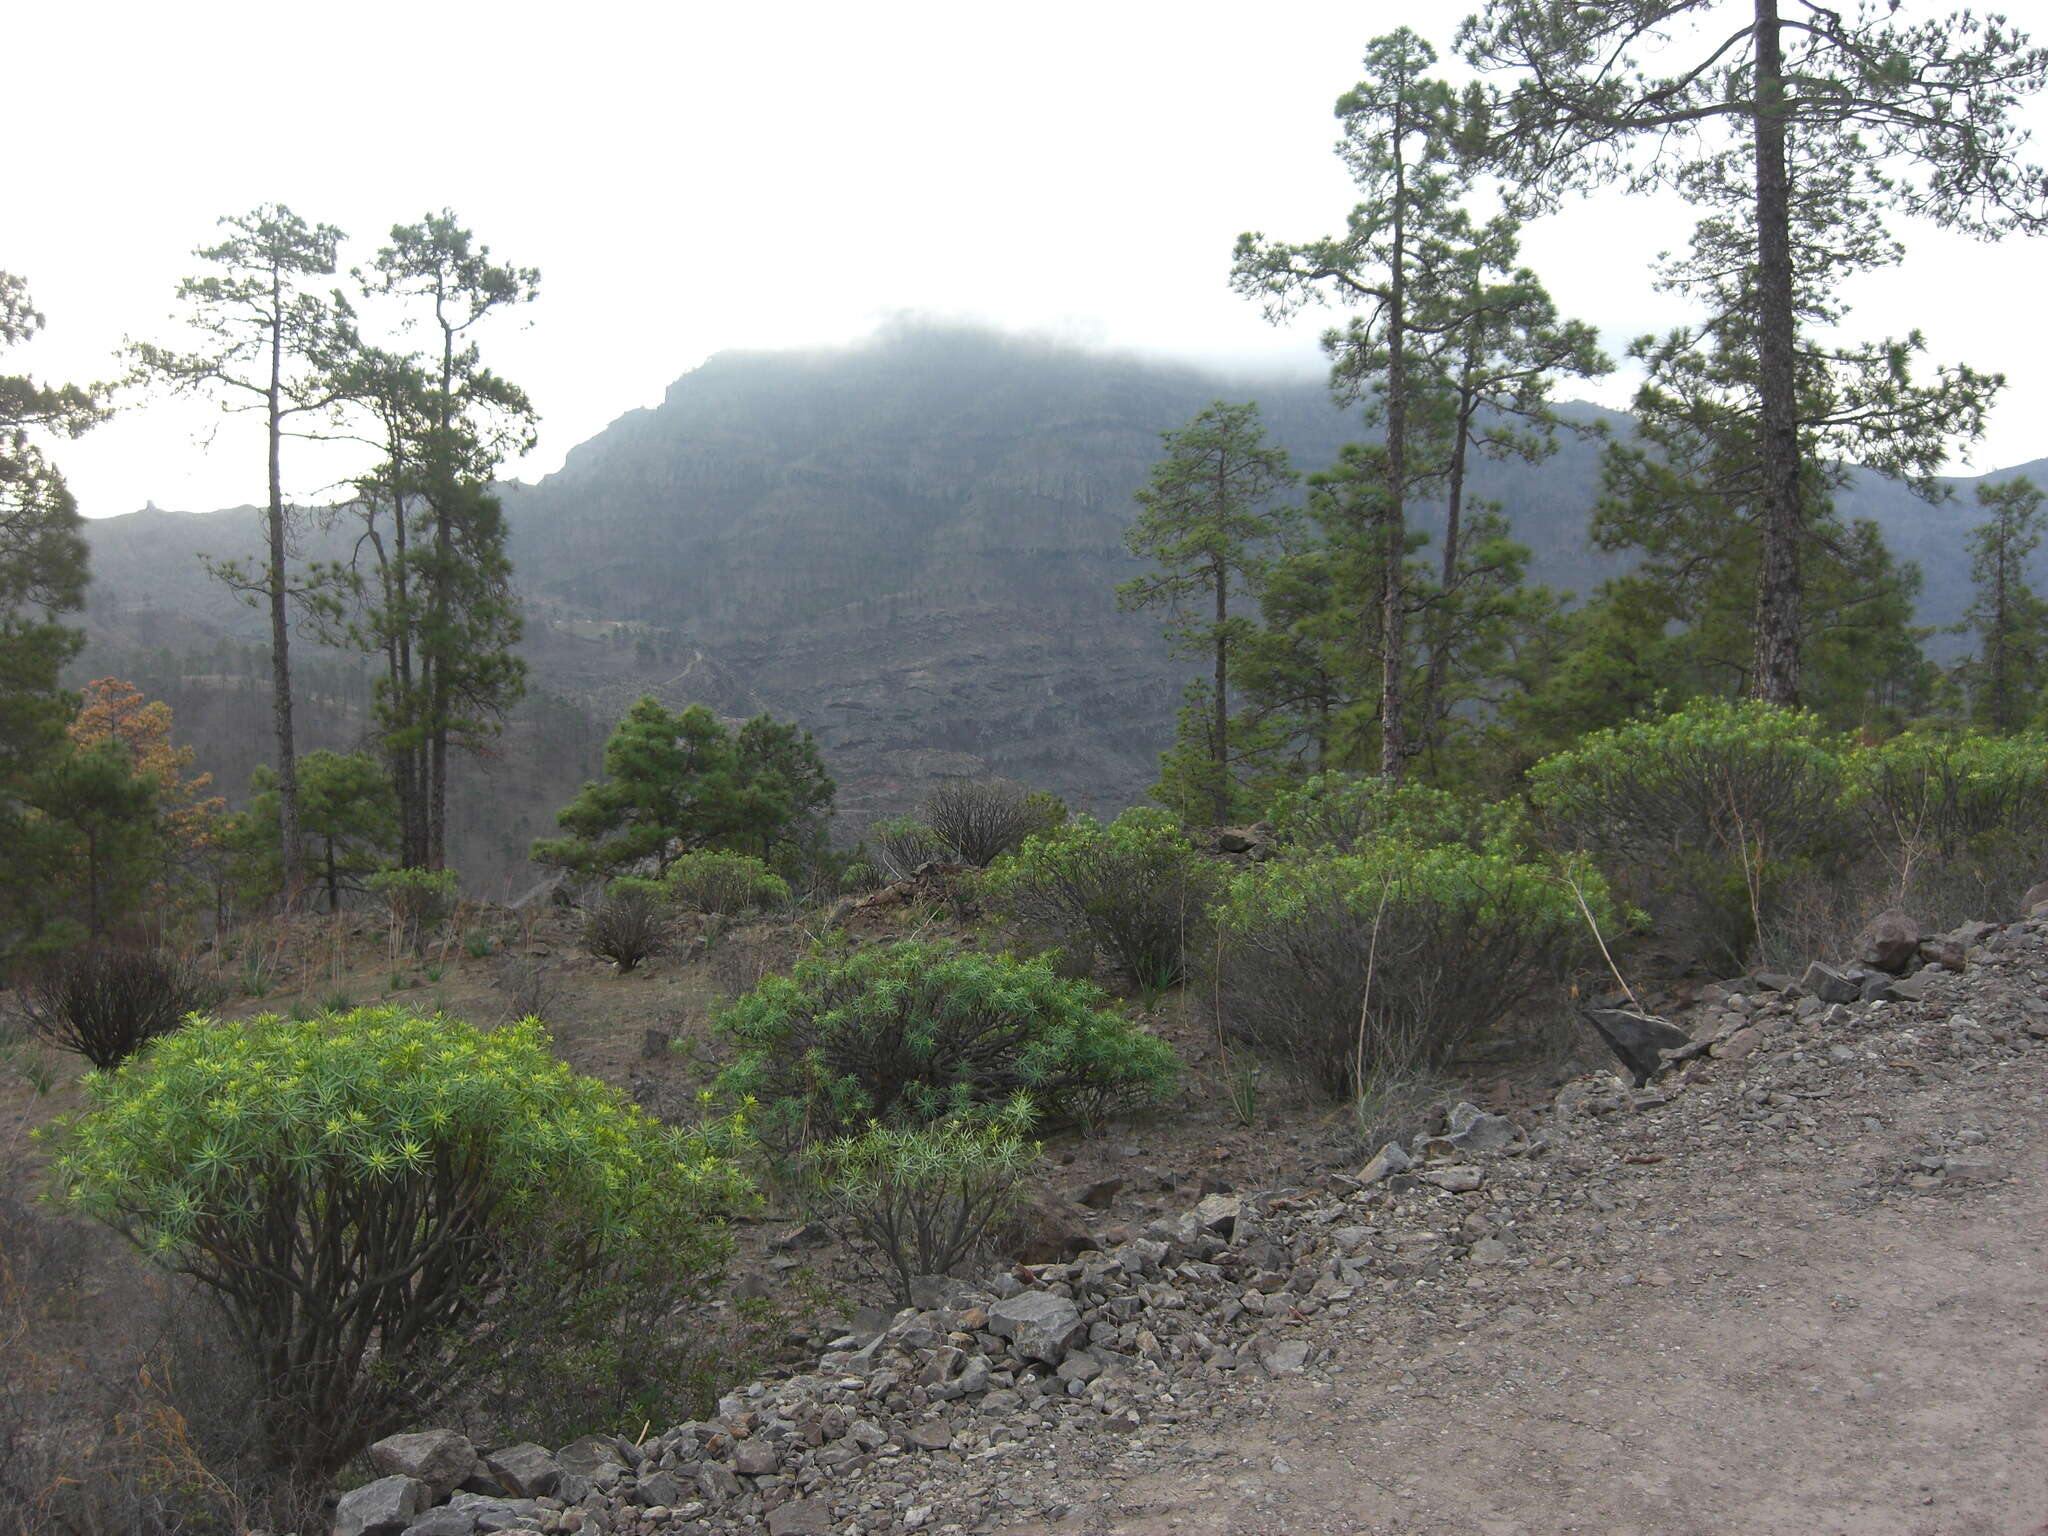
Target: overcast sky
<point>693,178</point>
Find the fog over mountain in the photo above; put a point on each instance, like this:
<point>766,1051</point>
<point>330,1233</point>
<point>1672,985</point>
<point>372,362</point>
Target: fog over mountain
<point>909,546</point>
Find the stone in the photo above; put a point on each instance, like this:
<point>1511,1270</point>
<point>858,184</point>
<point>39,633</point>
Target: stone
<point>1637,1038</point>
<point>2036,897</point>
<point>1079,1366</point>
<point>1097,1196</point>
<point>1287,1358</point>
<point>583,1457</point>
<point>1913,988</point>
<point>528,1471</point>
<point>1391,1159</point>
<point>1830,985</point>
<point>1773,981</point>
<point>1736,1046</point>
<point>1039,1325</point>
<point>804,1517</point>
<point>1457,1179</point>
<point>1489,1250</point>
<point>933,1436</point>
<point>1472,1130</point>
<point>755,1457</point>
<point>487,1515</point>
<point>383,1508</point>
<point>1890,942</point>
<point>443,1522</point>
<point>440,1458</point>
<point>1219,1213</point>
<point>1964,1171</point>
<point>1042,1231</point>
<point>658,1488</point>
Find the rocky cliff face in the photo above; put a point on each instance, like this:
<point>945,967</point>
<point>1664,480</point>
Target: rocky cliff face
<point>909,546</point>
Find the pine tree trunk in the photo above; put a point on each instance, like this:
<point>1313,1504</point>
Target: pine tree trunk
<point>1394,545</point>
<point>1775,674</point>
<point>1220,737</point>
<point>280,622</point>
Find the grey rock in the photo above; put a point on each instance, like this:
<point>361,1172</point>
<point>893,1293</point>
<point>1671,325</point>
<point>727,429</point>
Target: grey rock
<point>443,1522</point>
<point>1637,1038</point>
<point>1458,1179</point>
<point>755,1457</point>
<point>1913,988</point>
<point>487,1514</point>
<point>719,1482</point>
<point>1001,1401</point>
<point>1079,1366</point>
<point>658,1488</point>
<point>2036,897</point>
<point>1488,1251</point>
<point>1967,1171</point>
<point>440,1458</point>
<point>1831,985</point>
<point>933,1436</point>
<point>527,1470</point>
<point>1039,1325</point>
<point>383,1508</point>
<point>1219,1213</point>
<point>1391,1159</point>
<point>1890,942</point>
<point>584,1457</point>
<point>1287,1358</point>
<point>1773,981</point>
<point>1472,1130</point>
<point>1097,1196</point>
<point>805,1517</point>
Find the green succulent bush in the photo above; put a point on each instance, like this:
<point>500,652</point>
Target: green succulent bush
<point>629,924</point>
<point>912,1033</point>
<point>724,884</point>
<point>1137,888</point>
<point>926,1198</point>
<point>1383,962</point>
<point>1960,821</point>
<point>1712,819</point>
<point>377,1199</point>
<point>1344,812</point>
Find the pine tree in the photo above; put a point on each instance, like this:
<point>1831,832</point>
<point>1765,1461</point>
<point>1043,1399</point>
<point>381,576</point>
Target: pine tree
<point>268,342</point>
<point>1780,126</point>
<point>2006,677</point>
<point>1206,520</point>
<point>42,579</point>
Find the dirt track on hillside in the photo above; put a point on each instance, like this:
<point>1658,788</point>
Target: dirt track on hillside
<point>1763,1335</point>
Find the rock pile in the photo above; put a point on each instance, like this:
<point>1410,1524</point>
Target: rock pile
<point>980,1400</point>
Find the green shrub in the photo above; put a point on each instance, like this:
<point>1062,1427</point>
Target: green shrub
<point>911,1033</point>
<point>1343,812</point>
<point>724,884</point>
<point>106,1002</point>
<point>417,899</point>
<point>978,820</point>
<point>897,845</point>
<point>1386,961</point>
<point>628,924</point>
<point>1960,822</point>
<point>926,1197</point>
<point>1136,888</point>
<point>361,1192</point>
<point>1710,819</point>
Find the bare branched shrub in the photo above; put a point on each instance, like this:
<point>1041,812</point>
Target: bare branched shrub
<point>105,1003</point>
<point>629,925</point>
<point>531,987</point>
<point>979,820</point>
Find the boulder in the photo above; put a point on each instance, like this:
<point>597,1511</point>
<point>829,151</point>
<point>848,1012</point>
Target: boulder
<point>440,1458</point>
<point>1637,1038</point>
<point>383,1508</point>
<point>805,1517</point>
<point>1391,1159</point>
<point>1472,1130</point>
<point>1039,1325</point>
<point>1889,942</point>
<point>1831,985</point>
<point>2037,896</point>
<point>528,1471</point>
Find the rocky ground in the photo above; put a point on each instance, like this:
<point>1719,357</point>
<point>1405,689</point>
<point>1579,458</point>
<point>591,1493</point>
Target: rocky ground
<point>1794,1284</point>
